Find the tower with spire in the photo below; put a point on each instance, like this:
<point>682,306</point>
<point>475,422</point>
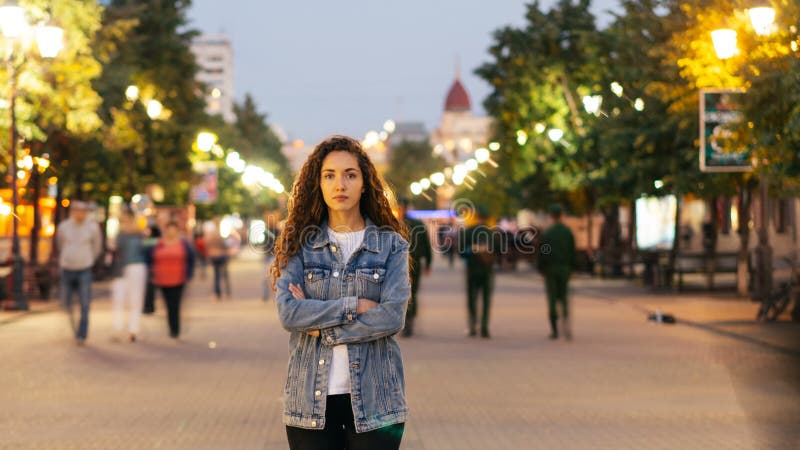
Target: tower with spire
<point>460,131</point>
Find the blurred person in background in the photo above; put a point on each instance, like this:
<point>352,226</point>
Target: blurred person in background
<point>130,276</point>
<point>172,265</point>
<point>201,252</point>
<point>79,243</point>
<point>420,249</point>
<point>152,235</point>
<point>555,262</point>
<point>217,250</point>
<point>478,246</point>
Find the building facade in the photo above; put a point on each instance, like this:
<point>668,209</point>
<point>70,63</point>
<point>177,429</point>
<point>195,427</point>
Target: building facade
<point>460,132</point>
<point>214,55</point>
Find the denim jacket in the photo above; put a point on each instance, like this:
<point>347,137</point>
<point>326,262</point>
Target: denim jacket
<point>378,271</point>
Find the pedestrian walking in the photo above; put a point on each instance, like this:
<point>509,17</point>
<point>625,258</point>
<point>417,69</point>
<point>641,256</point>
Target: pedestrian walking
<point>79,243</point>
<point>152,235</point>
<point>478,246</point>
<point>201,252</point>
<point>217,249</point>
<point>172,266</point>
<point>555,262</point>
<point>420,249</point>
<point>341,272</point>
<point>267,247</point>
<point>130,277</point>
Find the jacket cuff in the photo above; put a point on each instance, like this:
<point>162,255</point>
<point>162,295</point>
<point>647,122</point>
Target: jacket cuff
<point>328,335</point>
<point>350,309</point>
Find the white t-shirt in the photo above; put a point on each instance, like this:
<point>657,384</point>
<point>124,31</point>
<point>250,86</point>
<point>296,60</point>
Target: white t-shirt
<point>339,378</point>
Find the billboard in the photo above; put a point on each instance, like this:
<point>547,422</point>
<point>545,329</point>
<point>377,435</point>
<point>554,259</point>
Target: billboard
<point>719,112</point>
<point>655,222</point>
<point>205,191</point>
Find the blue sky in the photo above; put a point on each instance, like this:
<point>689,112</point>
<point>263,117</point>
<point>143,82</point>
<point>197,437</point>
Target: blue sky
<point>320,67</point>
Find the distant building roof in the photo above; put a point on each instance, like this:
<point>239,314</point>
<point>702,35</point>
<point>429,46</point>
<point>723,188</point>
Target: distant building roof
<point>457,98</point>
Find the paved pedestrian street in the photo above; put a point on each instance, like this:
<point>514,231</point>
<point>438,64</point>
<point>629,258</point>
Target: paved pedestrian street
<point>623,383</point>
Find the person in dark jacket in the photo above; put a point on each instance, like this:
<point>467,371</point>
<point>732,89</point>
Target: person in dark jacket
<point>420,249</point>
<point>478,246</point>
<point>555,262</point>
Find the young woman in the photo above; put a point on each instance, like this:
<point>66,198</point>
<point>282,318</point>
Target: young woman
<point>341,271</point>
<point>130,272</point>
<point>172,262</point>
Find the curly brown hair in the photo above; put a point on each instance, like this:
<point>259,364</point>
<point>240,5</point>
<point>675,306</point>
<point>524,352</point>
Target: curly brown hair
<point>307,208</point>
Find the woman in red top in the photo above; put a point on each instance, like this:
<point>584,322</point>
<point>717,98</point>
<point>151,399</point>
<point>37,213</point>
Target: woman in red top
<point>172,263</point>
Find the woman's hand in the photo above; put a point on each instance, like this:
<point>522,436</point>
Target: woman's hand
<point>297,291</point>
<point>298,294</point>
<point>365,305</point>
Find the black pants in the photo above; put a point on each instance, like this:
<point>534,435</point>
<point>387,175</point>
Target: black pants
<point>220,264</point>
<point>483,283</point>
<point>172,297</point>
<point>340,432</point>
<point>149,297</point>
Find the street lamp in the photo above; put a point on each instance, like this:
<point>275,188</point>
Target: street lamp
<point>14,26</point>
<point>762,17</point>
<point>724,41</point>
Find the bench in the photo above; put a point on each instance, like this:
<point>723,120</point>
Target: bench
<point>703,263</point>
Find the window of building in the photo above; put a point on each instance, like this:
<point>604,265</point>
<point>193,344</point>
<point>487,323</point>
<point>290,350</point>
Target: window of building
<point>781,214</point>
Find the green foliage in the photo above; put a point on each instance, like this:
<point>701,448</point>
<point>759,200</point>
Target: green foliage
<point>403,174</point>
<point>258,142</point>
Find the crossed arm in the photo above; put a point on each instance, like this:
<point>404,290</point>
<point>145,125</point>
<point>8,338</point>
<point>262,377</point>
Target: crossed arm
<point>348,319</point>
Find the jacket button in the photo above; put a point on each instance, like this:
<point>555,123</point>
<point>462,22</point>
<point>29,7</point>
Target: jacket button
<point>313,423</point>
<point>321,362</point>
<point>333,248</point>
<point>317,393</point>
<point>310,276</point>
<point>376,276</point>
<point>336,274</point>
<point>330,339</point>
<point>349,317</point>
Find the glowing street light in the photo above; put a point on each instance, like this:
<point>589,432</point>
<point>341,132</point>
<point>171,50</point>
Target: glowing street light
<point>389,126</point>
<point>494,146</point>
<point>592,103</point>
<point>471,164</point>
<point>762,17</point>
<point>132,93</point>
<point>154,109</point>
<point>555,134</point>
<point>522,137</point>
<point>50,40</point>
<point>12,21</point>
<point>539,128</point>
<point>617,89</point>
<point>425,183</point>
<point>638,105</point>
<point>206,141</point>
<point>437,178</point>
<point>724,43</point>
<point>416,189</point>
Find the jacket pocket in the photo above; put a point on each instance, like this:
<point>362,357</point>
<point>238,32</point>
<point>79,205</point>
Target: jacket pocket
<point>369,282</point>
<point>316,281</point>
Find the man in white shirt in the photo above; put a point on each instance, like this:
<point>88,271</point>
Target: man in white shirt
<point>79,244</point>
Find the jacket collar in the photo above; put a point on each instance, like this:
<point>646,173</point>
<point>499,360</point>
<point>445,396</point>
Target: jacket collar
<point>370,242</point>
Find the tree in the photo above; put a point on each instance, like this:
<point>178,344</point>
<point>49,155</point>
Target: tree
<point>539,74</point>
<point>260,144</point>
<point>154,55</point>
<point>402,174</point>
